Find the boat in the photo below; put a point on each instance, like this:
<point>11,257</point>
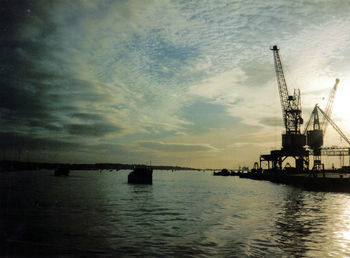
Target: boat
<point>62,171</point>
<point>141,175</point>
<point>223,172</point>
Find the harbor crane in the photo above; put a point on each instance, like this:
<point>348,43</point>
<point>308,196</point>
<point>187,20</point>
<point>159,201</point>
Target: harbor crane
<point>297,144</point>
<point>291,104</point>
<point>316,134</point>
<point>293,140</point>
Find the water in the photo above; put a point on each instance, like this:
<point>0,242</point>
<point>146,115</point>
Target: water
<point>183,214</point>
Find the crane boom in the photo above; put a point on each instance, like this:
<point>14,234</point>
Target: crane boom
<point>310,119</point>
<point>334,125</point>
<point>328,110</point>
<point>281,81</point>
<point>291,106</point>
<point>314,120</point>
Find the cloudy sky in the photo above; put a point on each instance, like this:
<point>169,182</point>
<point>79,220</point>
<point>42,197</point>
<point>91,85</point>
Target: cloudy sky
<point>187,83</point>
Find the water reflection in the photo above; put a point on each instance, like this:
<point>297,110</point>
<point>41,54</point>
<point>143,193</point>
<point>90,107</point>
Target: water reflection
<point>338,226</point>
<point>181,214</point>
<point>313,224</point>
<point>136,189</point>
<point>292,227</point>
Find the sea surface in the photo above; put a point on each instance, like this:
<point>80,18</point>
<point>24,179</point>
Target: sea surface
<point>183,214</point>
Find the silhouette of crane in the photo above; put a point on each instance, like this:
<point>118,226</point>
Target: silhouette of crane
<point>291,104</point>
<point>296,144</point>
<point>293,141</point>
<point>329,107</point>
<point>316,135</point>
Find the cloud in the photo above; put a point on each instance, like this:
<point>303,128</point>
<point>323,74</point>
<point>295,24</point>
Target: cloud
<point>176,147</point>
<point>220,85</point>
<point>272,121</point>
<point>87,116</point>
<point>94,129</point>
<point>123,71</point>
<point>21,142</point>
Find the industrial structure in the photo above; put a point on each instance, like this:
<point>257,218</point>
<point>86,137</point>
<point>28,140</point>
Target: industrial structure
<point>296,144</point>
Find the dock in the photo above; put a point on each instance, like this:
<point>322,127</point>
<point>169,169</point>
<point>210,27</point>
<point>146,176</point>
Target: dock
<point>321,181</point>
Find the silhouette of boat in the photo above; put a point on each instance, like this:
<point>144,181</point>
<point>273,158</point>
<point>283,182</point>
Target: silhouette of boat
<point>223,172</point>
<point>141,175</point>
<point>62,171</point>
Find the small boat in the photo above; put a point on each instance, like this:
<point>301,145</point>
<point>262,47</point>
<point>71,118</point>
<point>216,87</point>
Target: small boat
<point>223,172</point>
<point>62,171</point>
<point>141,175</point>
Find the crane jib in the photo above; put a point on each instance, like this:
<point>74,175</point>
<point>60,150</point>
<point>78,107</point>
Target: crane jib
<point>290,104</point>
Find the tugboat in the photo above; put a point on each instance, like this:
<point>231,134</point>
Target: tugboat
<point>62,171</point>
<point>141,175</point>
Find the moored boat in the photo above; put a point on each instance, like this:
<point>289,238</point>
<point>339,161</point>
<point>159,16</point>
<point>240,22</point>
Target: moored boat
<point>62,171</point>
<point>141,175</point>
<point>223,172</point>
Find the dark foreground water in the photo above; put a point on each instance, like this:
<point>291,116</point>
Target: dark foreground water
<point>183,214</point>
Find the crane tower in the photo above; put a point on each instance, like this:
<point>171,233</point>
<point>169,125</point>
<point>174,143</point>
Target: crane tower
<point>291,108</point>
<point>293,141</point>
<point>297,144</point>
<point>314,137</point>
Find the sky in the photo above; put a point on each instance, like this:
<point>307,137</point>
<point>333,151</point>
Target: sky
<point>188,83</point>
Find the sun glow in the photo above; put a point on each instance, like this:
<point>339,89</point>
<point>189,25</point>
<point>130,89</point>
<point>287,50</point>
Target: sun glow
<point>341,110</point>
<point>317,92</point>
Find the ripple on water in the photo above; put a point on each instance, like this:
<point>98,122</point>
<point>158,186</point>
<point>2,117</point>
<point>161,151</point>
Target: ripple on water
<point>182,214</point>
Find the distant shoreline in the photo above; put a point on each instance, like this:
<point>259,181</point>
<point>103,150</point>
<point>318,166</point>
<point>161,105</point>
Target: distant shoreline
<point>10,165</point>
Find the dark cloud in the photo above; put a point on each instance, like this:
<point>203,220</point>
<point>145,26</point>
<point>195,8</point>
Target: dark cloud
<point>38,92</point>
<point>175,147</point>
<point>10,141</point>
<point>271,121</point>
<point>93,129</point>
<point>12,14</point>
<point>25,74</point>
<point>24,146</point>
<point>87,116</point>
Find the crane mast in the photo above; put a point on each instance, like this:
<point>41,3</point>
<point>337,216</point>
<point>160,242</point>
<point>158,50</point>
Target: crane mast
<point>291,108</point>
<point>293,141</point>
<point>291,104</point>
